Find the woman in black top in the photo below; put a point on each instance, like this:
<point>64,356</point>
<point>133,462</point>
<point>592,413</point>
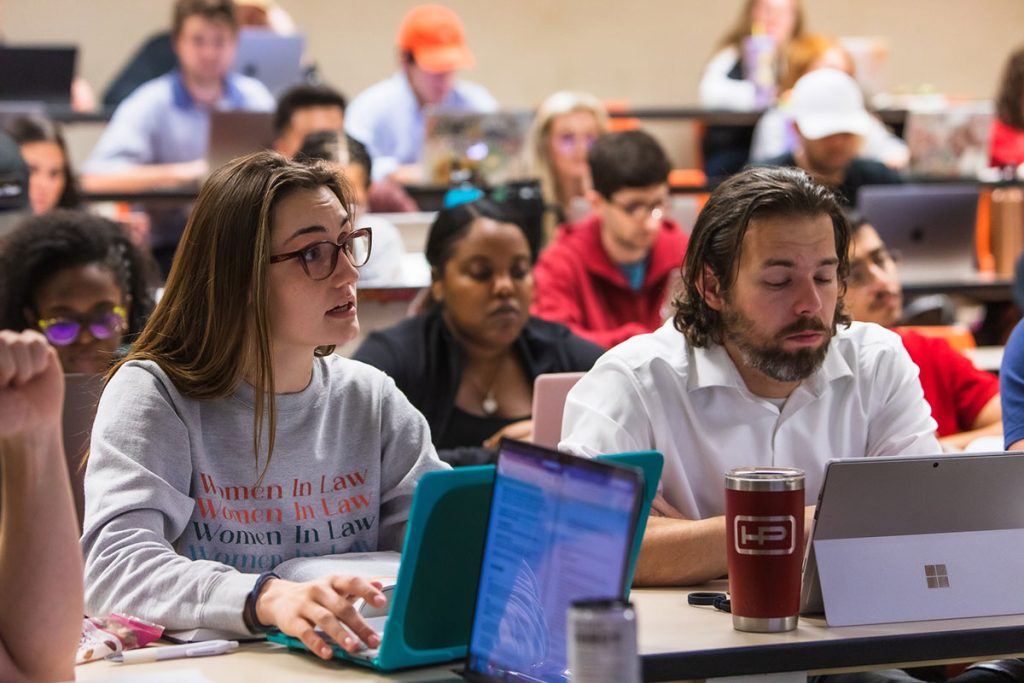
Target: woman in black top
<point>468,364</point>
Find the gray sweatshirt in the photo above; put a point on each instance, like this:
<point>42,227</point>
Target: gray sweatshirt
<point>176,529</point>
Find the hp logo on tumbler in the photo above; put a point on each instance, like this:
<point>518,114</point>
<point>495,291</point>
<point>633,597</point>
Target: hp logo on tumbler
<point>764,535</point>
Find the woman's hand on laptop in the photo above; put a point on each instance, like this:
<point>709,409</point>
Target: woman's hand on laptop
<point>327,603</point>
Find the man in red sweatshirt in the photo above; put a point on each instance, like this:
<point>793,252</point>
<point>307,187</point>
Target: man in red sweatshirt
<point>608,276</point>
<point>964,400</point>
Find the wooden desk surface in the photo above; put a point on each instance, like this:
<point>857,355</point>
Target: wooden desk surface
<point>983,287</point>
<point>257,662</point>
<point>677,641</point>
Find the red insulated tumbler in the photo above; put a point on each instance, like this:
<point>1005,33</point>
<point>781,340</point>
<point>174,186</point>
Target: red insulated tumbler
<point>764,514</point>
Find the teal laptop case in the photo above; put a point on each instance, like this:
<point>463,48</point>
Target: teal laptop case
<point>430,617</point>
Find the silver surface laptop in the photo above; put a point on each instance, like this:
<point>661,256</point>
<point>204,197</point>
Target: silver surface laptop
<point>914,538</point>
<point>932,226</point>
<point>236,133</point>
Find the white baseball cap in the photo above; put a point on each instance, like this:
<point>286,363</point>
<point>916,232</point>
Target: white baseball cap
<point>826,102</point>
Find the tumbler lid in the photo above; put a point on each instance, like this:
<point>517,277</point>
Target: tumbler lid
<point>764,479</point>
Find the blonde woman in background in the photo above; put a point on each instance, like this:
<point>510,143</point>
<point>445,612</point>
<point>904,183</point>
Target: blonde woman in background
<point>774,134</point>
<point>566,125</point>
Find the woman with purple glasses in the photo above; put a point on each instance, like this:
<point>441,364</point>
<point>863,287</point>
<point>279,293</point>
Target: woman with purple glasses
<point>79,280</point>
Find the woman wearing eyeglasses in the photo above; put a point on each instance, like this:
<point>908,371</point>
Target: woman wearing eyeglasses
<point>566,125</point>
<point>79,280</point>
<point>231,438</point>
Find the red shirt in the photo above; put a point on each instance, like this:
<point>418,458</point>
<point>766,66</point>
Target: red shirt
<point>577,284</point>
<point>1006,145</point>
<point>953,387</point>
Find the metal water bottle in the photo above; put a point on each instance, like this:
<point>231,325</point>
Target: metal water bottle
<point>602,642</point>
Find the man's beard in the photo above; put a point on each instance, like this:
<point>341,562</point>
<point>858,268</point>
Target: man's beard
<point>767,355</point>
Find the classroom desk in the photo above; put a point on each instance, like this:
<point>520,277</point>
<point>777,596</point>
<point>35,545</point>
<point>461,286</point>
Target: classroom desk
<point>258,662</point>
<point>182,195</point>
<point>724,117</point>
<point>983,288</point>
<point>677,642</point>
<point>986,357</point>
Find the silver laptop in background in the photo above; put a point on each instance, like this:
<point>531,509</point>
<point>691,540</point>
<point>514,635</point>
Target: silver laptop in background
<point>916,538</point>
<point>272,59</point>
<point>481,148</point>
<point>237,133</point>
<point>950,140</point>
<point>931,225</point>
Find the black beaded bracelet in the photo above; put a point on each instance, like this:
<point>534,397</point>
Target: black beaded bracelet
<point>249,611</point>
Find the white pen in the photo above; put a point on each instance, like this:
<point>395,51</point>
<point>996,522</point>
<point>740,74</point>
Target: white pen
<point>155,654</point>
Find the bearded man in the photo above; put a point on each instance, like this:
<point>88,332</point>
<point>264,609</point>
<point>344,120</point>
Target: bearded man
<point>759,366</point>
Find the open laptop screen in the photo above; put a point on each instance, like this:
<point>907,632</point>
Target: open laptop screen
<point>37,73</point>
<point>560,530</point>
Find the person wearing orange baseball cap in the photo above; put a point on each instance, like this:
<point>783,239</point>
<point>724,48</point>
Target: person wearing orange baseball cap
<point>389,116</point>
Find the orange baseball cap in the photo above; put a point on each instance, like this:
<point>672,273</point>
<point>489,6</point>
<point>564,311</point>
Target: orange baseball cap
<point>436,39</point>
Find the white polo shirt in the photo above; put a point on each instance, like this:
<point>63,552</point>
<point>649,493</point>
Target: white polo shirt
<point>656,392</point>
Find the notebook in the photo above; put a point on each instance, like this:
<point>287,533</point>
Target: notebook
<point>950,142</point>
<point>237,133</point>
<point>37,73</point>
<point>915,538</point>
<point>549,392</point>
<point>273,59</point>
<point>560,529</point>
<point>440,566</point>
<point>931,225</point>
<point>485,149</point>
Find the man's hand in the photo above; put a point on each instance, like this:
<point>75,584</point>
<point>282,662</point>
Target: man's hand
<point>31,383</point>
<point>326,603</point>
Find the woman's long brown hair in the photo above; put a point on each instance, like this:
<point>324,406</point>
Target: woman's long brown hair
<point>211,328</point>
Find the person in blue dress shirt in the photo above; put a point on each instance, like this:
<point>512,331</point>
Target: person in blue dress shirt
<point>158,136</point>
<point>389,117</point>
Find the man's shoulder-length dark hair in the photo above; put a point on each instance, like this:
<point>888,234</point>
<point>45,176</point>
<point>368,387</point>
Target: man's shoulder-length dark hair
<point>717,238</point>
